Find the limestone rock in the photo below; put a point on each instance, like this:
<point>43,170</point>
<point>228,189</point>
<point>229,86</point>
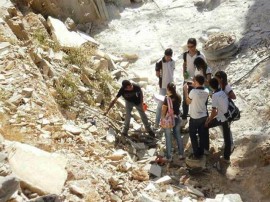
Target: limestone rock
<point>27,92</point>
<point>72,129</point>
<point>8,186</point>
<point>66,38</point>
<point>17,27</point>
<point>41,171</point>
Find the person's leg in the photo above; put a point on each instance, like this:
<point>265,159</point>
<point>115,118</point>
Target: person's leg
<point>193,136</point>
<point>185,108</point>
<point>144,118</point>
<point>177,136</point>
<point>168,138</point>
<point>203,136</point>
<point>162,91</point>
<point>129,107</point>
<point>227,140</point>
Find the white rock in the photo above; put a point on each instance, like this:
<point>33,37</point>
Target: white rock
<point>150,187</point>
<point>93,129</point>
<point>72,129</point>
<point>41,171</point>
<point>232,198</point>
<point>110,136</point>
<point>145,198</point>
<point>2,77</point>
<point>4,46</point>
<point>65,38</point>
<point>164,180</point>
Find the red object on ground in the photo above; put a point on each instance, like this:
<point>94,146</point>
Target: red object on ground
<point>145,107</point>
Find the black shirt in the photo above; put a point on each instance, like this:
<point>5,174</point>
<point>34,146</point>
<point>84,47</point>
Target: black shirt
<point>176,102</point>
<point>134,95</point>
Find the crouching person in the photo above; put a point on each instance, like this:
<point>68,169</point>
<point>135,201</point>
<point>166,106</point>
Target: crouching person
<point>133,96</point>
<point>217,118</point>
<point>171,107</point>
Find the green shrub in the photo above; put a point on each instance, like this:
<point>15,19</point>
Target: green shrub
<point>67,90</point>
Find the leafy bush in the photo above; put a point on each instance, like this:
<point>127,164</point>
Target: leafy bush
<point>67,90</point>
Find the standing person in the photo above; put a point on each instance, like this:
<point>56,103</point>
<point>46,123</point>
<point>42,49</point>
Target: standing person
<point>197,99</point>
<point>176,102</point>
<point>219,108</point>
<point>164,71</point>
<point>133,96</point>
<point>189,72</point>
<point>221,76</point>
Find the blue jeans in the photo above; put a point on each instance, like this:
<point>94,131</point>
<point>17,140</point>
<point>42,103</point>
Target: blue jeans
<point>162,91</point>
<point>129,107</point>
<point>177,136</point>
<point>200,142</point>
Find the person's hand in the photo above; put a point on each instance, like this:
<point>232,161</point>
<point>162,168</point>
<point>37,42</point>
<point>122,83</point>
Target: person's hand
<point>185,87</point>
<point>206,123</point>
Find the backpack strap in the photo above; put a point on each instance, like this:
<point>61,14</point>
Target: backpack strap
<point>169,101</point>
<point>185,55</point>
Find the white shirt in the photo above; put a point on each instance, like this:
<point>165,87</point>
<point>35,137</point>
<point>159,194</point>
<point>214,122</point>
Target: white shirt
<point>208,71</point>
<point>227,89</point>
<point>190,64</point>
<point>220,101</point>
<point>167,73</point>
<point>198,108</point>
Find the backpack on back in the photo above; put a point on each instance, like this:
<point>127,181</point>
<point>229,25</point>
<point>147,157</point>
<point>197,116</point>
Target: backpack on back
<point>233,113</point>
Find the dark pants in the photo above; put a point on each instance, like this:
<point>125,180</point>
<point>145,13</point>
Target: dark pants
<point>196,126</point>
<point>226,135</point>
<point>185,106</point>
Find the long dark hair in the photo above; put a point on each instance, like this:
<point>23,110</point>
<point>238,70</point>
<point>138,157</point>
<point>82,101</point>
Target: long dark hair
<point>223,78</point>
<point>200,64</point>
<point>171,87</point>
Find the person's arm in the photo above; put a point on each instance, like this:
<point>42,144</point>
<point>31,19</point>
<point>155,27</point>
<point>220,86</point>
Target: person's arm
<point>213,114</point>
<point>158,74</point>
<point>232,95</point>
<point>111,105</point>
<point>188,100</point>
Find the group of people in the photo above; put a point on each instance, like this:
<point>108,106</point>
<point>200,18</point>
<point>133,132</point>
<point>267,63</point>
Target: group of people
<point>199,86</point>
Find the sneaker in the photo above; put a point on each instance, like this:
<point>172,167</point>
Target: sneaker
<point>183,123</point>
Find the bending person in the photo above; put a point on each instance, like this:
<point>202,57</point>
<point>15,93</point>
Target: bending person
<point>133,96</point>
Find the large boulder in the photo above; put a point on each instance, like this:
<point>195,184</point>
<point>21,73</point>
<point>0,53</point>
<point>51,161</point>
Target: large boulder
<point>66,38</point>
<point>40,171</point>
